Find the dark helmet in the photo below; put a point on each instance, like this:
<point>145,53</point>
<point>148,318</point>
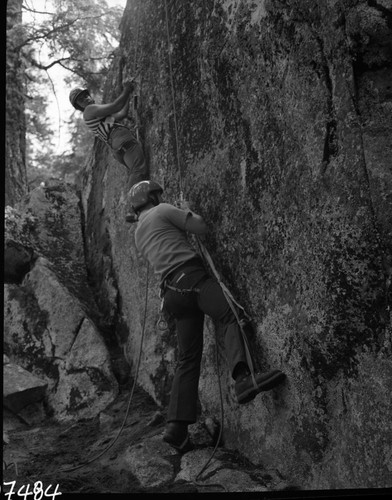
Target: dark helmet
<point>140,193</point>
<point>74,94</point>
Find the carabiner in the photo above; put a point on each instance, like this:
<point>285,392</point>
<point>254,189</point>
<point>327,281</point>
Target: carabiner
<point>162,324</point>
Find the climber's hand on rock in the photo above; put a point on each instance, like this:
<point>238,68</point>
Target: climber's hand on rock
<point>183,204</point>
<point>130,85</point>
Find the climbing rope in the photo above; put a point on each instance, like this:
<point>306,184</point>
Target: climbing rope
<point>132,391</point>
<point>137,38</point>
<point>227,294</point>
<point>135,70</point>
<point>205,253</point>
<point>173,100</point>
<point>232,303</point>
<point>196,481</point>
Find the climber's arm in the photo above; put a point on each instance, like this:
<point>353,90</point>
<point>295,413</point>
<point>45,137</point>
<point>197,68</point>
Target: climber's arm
<point>119,105</point>
<point>195,224</point>
<point>184,218</point>
<point>123,112</point>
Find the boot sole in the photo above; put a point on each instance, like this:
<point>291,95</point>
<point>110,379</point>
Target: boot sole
<point>267,385</point>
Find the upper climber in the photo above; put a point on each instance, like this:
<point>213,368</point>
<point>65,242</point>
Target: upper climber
<point>102,119</point>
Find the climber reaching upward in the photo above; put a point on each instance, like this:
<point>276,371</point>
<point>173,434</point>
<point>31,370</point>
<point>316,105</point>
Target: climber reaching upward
<point>103,119</point>
<point>189,292</point>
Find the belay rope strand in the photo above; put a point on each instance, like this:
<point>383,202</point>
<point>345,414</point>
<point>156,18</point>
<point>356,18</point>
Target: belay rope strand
<point>173,99</point>
<point>135,69</point>
<point>145,303</point>
<point>218,439</point>
<point>232,303</point>
<point>133,387</point>
<point>207,257</point>
<point>203,250</point>
<point>195,481</point>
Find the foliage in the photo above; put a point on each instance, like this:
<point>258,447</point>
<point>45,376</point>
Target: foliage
<point>80,36</point>
<point>45,164</point>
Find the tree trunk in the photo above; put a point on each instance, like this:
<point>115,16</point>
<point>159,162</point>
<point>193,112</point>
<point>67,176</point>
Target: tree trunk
<point>15,166</point>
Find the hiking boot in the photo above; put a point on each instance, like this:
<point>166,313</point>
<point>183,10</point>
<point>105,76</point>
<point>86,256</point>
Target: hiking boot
<point>131,218</point>
<point>246,390</point>
<point>176,435</point>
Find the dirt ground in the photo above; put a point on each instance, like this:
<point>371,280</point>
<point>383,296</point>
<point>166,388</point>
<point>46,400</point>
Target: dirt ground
<point>41,453</point>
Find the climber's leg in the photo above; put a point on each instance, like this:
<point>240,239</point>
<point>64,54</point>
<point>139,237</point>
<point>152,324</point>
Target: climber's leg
<point>184,391</point>
<point>135,161</point>
<point>128,151</point>
<point>213,302</point>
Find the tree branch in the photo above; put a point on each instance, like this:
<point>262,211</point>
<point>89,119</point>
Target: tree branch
<point>45,35</point>
<point>57,29</point>
<point>50,65</point>
<point>80,73</point>
<point>44,67</point>
<point>57,102</point>
<point>37,11</point>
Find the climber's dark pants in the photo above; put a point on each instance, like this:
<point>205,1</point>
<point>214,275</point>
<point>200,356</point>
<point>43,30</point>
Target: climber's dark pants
<point>188,309</point>
<point>128,151</point>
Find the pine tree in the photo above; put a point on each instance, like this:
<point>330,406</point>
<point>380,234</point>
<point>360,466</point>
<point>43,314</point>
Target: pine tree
<point>78,35</point>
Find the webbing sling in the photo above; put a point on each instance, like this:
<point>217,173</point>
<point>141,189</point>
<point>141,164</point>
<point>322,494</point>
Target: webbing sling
<point>181,290</point>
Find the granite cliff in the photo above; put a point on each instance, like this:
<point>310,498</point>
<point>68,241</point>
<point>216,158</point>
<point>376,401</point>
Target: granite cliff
<point>281,139</point>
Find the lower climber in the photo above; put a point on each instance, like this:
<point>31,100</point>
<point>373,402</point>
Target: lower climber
<point>189,292</point>
<point>102,119</point>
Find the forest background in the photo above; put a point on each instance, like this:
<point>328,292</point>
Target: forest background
<point>51,47</point>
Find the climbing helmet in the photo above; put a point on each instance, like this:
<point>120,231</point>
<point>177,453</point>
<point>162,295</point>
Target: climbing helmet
<point>74,94</point>
<point>140,193</point>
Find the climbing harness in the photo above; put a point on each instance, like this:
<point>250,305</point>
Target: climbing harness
<point>120,152</point>
<point>182,291</point>
<point>133,387</point>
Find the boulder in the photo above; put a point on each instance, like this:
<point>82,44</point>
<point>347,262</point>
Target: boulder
<point>48,223</point>
<point>193,462</point>
<point>149,462</point>
<point>48,332</point>
<point>21,388</point>
<point>17,261</point>
<point>51,316</point>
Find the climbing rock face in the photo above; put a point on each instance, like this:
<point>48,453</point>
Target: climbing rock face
<point>282,122</point>
<point>48,315</point>
<point>147,461</point>
<point>153,463</point>
<point>125,288</point>
<point>279,135</point>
